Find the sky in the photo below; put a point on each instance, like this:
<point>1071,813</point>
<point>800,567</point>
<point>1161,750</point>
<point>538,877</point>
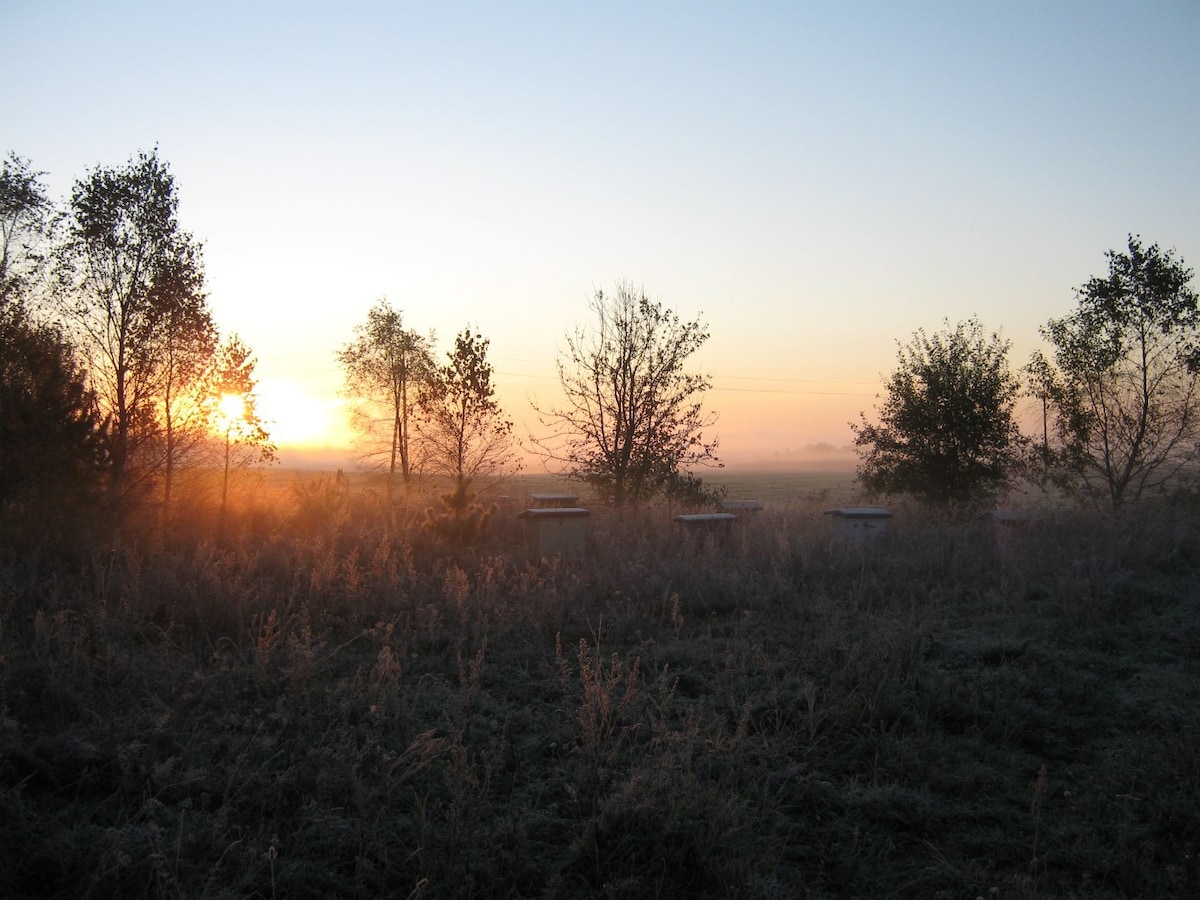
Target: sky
<point>816,181</point>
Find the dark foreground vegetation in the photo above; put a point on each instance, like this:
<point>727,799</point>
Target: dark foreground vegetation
<point>329,703</point>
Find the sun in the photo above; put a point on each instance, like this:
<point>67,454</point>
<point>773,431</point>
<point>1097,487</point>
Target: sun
<point>232,408</point>
<point>296,418</point>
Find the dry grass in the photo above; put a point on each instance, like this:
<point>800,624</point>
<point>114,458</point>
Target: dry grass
<point>331,703</point>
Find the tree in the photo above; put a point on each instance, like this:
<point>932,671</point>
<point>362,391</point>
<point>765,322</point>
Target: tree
<point>234,378</point>
<point>133,287</point>
<point>463,431</point>
<point>386,366</point>
<point>1124,379</point>
<point>233,414</point>
<point>185,360</point>
<point>1043,385</point>
<point>633,416</point>
<point>464,435</point>
<point>946,432</point>
<point>52,443</point>
<point>25,221</point>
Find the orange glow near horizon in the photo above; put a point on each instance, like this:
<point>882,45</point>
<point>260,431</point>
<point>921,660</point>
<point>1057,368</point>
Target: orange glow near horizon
<point>296,418</point>
<point>755,428</point>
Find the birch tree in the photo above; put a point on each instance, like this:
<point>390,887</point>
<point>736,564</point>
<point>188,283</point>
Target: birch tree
<point>386,366</point>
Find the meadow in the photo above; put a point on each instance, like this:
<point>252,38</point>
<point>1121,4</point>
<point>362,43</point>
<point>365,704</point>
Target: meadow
<point>322,698</point>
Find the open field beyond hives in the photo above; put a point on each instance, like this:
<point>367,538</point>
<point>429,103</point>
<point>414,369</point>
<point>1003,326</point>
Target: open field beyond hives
<point>329,703</point>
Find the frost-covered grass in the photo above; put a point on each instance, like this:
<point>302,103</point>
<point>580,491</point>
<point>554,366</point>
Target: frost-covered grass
<point>330,704</point>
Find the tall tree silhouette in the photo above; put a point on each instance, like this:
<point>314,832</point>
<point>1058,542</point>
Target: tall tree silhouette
<point>132,286</point>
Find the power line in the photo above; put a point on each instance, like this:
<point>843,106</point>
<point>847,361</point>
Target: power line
<point>331,370</point>
<point>791,380</point>
<point>728,390</point>
<point>737,390</point>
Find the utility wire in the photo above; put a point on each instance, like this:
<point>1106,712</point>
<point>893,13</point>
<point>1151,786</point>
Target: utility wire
<point>329,370</point>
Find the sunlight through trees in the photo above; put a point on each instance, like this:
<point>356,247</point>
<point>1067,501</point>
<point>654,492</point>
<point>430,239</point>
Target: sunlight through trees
<point>386,366</point>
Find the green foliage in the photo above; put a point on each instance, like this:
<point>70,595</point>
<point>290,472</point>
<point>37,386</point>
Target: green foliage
<point>386,366</point>
<point>946,432</point>
<point>1125,377</point>
<point>633,416</point>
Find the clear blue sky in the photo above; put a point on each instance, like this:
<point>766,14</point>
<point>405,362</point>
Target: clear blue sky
<point>819,180</point>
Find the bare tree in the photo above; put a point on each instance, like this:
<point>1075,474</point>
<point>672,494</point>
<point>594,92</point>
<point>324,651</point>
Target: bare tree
<point>386,366</point>
<point>633,417</point>
<point>1125,395</point>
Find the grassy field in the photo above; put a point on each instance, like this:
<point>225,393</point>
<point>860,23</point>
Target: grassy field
<point>322,698</point>
<point>770,487</point>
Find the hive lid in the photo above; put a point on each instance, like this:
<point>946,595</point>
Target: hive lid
<point>860,512</point>
<point>554,512</point>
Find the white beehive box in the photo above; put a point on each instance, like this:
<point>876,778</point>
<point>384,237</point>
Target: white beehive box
<point>555,530</point>
<point>859,523</point>
<point>742,507</point>
<point>554,501</point>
